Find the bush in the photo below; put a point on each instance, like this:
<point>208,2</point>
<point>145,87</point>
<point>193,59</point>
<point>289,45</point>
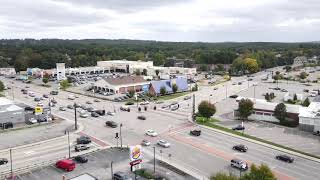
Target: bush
<point>144,173</point>
<point>130,103</point>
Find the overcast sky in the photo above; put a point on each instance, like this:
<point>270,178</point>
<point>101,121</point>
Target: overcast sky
<point>163,20</point>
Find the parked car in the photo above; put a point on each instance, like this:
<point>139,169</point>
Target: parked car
<point>187,98</point>
<point>45,96</point>
<point>174,107</point>
<point>125,108</point>
<point>151,133</point>
<point>77,105</point>
<point>145,142</point>
<point>83,140</point>
<point>81,159</point>
<point>233,96</point>
<point>237,163</point>
<point>71,97</point>
<point>81,147</point>
<point>37,99</point>
<point>96,100</point>
<point>100,112</point>
<point>84,107</point>
<point>28,108</point>
<point>317,133</point>
<point>284,90</point>
<point>54,92</point>
<point>121,176</point>
<point>84,115</point>
<point>144,103</point>
<point>285,158</point>
<point>240,147</point>
<point>111,113</point>
<point>32,120</point>
<point>62,108</point>
<point>54,101</point>
<point>94,114</point>
<point>91,109</point>
<point>70,106</point>
<point>3,161</point>
<point>6,125</point>
<point>111,124</point>
<point>239,127</point>
<point>40,104</point>
<point>195,132</point>
<point>163,143</point>
<point>142,117</point>
<point>66,164</point>
<point>88,102</point>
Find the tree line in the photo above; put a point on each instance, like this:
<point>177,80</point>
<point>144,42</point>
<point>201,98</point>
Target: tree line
<point>45,53</point>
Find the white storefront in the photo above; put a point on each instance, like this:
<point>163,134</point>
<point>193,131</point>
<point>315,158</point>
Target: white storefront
<point>309,117</point>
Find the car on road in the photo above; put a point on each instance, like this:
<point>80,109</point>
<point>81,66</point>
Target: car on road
<point>100,112</point>
<point>233,96</point>
<point>144,103</point>
<point>240,147</point>
<point>165,106</point>
<point>54,92</point>
<point>284,90</point>
<point>145,142</point>
<point>81,147</point>
<point>285,158</point>
<point>111,113</point>
<point>28,108</point>
<point>37,99</point>
<point>83,140</point>
<point>81,159</point>
<point>54,101</point>
<point>70,106</point>
<point>277,88</point>
<point>40,104</point>
<point>163,143</point>
<point>96,100</point>
<point>71,97</point>
<point>239,127</point>
<point>187,98</point>
<point>195,132</point>
<point>174,107</point>
<point>88,102</point>
<point>77,105</point>
<point>111,124</point>
<point>121,176</point>
<point>45,96</point>
<point>3,161</point>
<point>84,115</point>
<point>237,163</point>
<point>125,108</point>
<point>66,164</point>
<point>94,114</point>
<point>151,133</point>
<point>142,117</point>
<point>62,108</point>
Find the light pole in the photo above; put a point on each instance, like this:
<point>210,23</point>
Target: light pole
<point>69,144</point>
<point>154,159</point>
<point>111,168</point>
<point>12,90</point>
<point>120,135</point>
<point>11,168</point>
<point>75,117</point>
<point>226,91</point>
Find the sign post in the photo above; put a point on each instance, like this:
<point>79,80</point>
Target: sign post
<point>135,157</point>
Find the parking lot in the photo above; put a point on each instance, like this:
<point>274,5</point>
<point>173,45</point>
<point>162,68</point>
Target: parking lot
<point>99,166</point>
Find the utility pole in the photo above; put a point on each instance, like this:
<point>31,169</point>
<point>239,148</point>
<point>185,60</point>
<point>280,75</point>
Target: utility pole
<point>154,159</point>
<point>69,145</point>
<point>194,107</point>
<point>111,164</point>
<point>120,135</point>
<point>226,91</point>
<point>11,168</point>
<point>75,117</point>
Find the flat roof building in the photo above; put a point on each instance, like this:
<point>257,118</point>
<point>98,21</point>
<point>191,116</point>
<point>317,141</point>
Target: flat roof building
<point>9,112</point>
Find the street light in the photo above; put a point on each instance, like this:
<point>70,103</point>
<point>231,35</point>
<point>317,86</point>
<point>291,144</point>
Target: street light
<point>75,117</point>
<point>120,135</point>
<point>69,144</point>
<point>154,159</point>
<point>11,168</point>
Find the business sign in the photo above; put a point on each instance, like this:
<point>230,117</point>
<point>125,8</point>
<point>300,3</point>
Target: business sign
<point>38,110</point>
<point>135,153</point>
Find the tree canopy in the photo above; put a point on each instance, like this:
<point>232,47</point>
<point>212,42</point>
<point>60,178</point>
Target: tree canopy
<point>206,109</point>
<point>245,108</point>
<point>280,111</point>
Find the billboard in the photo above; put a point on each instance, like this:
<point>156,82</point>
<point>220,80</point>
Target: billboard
<point>38,110</point>
<point>135,153</point>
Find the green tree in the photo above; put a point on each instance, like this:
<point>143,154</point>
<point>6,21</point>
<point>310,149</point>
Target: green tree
<point>145,72</point>
<point>206,109</point>
<point>280,112</point>
<point>263,172</point>
<point>131,93</point>
<point>64,84</point>
<point>303,75</point>
<point>174,88</point>
<point>163,90</point>
<point>138,72</point>
<point>45,80</point>
<point>223,176</point>
<point>245,108</point>
<point>288,68</point>
<point>306,102</point>
<point>251,65</point>
<point>195,87</point>
<point>1,86</point>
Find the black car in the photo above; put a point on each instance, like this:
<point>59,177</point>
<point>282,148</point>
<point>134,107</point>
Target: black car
<point>83,140</point>
<point>239,127</point>
<point>285,158</point>
<point>7,125</point>
<point>94,114</point>
<point>233,96</point>
<point>101,112</point>
<point>54,92</point>
<point>81,159</point>
<point>142,117</point>
<point>3,161</point>
<point>90,109</point>
<point>111,124</point>
<point>120,176</point>
<point>195,132</point>
<point>240,147</point>
<point>28,108</point>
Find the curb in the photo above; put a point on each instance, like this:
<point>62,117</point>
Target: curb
<point>263,144</point>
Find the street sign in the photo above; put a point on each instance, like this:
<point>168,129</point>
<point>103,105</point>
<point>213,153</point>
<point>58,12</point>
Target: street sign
<point>135,162</point>
<point>38,110</point>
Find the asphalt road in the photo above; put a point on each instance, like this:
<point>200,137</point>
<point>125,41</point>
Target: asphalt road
<point>212,149</point>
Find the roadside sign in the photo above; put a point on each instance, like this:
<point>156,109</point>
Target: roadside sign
<point>135,153</point>
<point>38,110</point>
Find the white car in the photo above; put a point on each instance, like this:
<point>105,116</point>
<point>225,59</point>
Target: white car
<point>144,103</point>
<point>40,104</point>
<point>111,113</point>
<point>71,97</point>
<point>163,143</point>
<point>84,115</point>
<point>33,120</point>
<point>151,133</point>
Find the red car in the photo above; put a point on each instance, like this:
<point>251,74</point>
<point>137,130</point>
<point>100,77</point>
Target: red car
<point>66,164</point>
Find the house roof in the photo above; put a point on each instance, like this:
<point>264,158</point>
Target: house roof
<point>125,80</point>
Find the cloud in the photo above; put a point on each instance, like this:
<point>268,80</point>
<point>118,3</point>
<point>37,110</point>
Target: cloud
<point>170,20</point>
